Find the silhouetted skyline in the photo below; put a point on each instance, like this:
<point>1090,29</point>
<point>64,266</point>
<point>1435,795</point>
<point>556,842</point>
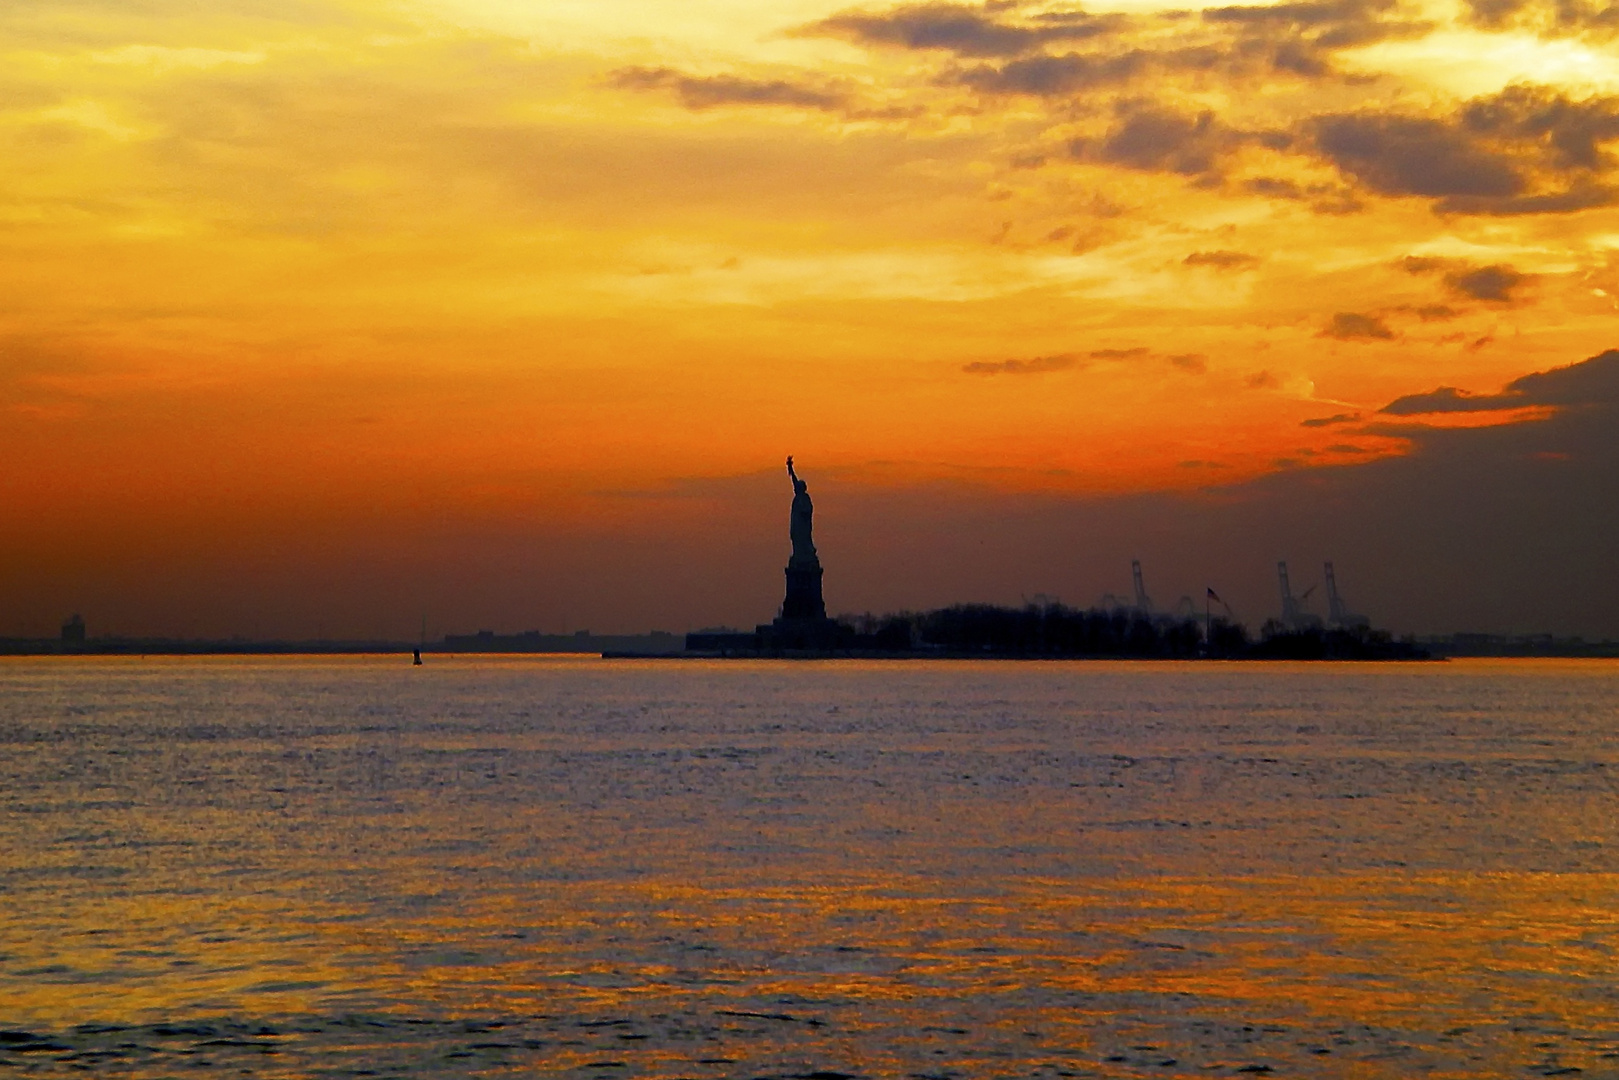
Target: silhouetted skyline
<point>1507,527</point>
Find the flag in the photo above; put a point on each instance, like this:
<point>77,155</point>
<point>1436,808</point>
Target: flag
<point>1215,596</point>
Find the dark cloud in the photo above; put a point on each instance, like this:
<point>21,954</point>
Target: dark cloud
<point>1493,283</point>
<point>1324,13</point>
<point>1329,421</point>
<point>1446,399</point>
<point>963,29</point>
<point>1552,17</point>
<point>1321,27</point>
<point>1289,39</point>
<point>1221,260</point>
<point>1424,264</point>
<point>1153,139</point>
<point>1494,14</point>
<point>1569,133</point>
<point>1415,155</point>
<point>1273,187</point>
<point>1300,38</point>
<point>1295,58</point>
<point>1263,380</point>
<point>1353,326</point>
<point>709,91</point>
<point>1054,76</point>
<point>1525,150</point>
<point>1057,362</point>
<point>1036,366</point>
<point>1067,74</point>
<point>1584,15</point>
<point>1591,382</point>
<point>1583,196</point>
<point>1323,198</point>
<point>1196,363</point>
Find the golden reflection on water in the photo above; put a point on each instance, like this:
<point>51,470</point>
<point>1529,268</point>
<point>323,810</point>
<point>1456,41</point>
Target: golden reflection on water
<point>1394,953</point>
<point>1100,880</point>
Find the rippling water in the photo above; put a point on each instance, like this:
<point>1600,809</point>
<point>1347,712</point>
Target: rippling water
<point>296,867</point>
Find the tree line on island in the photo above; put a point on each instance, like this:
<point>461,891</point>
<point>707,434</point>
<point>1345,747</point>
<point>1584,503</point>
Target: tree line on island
<point>1052,629</point>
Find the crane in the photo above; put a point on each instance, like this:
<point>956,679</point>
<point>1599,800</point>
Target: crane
<point>1338,613</point>
<point>1294,617</point>
<point>1143,601</point>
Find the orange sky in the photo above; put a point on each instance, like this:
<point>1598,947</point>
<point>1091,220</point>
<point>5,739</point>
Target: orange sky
<point>441,265</point>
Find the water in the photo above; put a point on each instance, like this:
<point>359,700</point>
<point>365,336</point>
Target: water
<point>295,867</point>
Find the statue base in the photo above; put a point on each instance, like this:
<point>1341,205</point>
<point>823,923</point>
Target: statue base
<point>809,635</point>
<point>804,592</point>
<point>803,624</point>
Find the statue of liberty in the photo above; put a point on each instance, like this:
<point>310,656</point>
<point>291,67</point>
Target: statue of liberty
<point>802,525</point>
<point>803,599</point>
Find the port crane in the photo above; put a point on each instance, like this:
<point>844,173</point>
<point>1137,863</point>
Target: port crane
<point>1143,601</point>
<point>1338,614</point>
<point>1294,616</point>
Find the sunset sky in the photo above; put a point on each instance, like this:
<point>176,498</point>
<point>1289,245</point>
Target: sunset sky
<point>331,315</point>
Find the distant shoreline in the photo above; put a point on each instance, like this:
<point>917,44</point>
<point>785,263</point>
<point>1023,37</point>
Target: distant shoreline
<point>1436,649</point>
<point>595,645</point>
<point>1431,649</point>
<point>952,657</point>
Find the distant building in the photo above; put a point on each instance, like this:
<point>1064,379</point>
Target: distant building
<point>73,631</point>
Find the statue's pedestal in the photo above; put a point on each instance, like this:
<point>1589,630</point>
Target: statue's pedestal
<point>803,623</point>
<point>803,592</point>
<point>808,635</point>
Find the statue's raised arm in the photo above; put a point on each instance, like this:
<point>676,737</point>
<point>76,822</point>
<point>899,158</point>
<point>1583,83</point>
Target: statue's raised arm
<point>790,471</point>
